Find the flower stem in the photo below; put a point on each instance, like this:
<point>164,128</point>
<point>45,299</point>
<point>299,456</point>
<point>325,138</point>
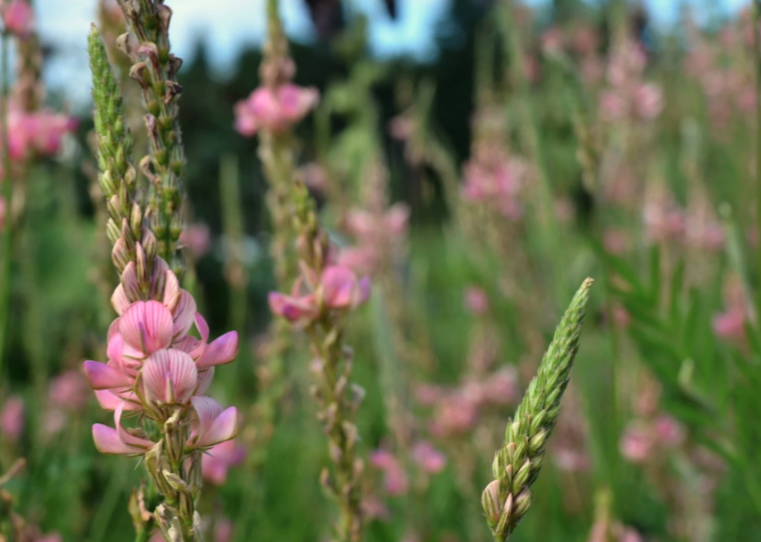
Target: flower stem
<point>7,193</point>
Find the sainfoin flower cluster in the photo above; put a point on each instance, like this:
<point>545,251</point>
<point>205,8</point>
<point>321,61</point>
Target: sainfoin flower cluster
<point>156,366</point>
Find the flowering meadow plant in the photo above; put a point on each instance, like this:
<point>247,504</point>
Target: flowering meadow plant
<point>310,294</point>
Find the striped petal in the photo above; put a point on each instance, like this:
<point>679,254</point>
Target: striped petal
<point>146,326</point>
<point>221,351</point>
<point>169,377</point>
<point>105,377</point>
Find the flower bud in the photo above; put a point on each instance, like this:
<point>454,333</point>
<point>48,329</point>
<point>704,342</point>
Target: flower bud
<point>490,503</point>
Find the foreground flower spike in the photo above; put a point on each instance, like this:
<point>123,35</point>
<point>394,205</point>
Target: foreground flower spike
<point>157,369</point>
<point>516,466</point>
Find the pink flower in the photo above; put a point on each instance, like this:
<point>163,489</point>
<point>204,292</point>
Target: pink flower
<point>395,482</point>
<point>670,433</point>
<point>197,239</point>
<point>170,377</point>
<point>648,100</point>
<point>570,460</point>
<point>274,110</point>
<point>500,388</point>
<point>455,415</point>
<point>476,300</point>
<point>216,462</point>
<point>12,418</point>
<point>341,289</point>
<point>147,327</point>
<point>615,241</point>
<point>68,391</point>
<point>18,17</point>
<point>636,444</point>
<point>338,289</point>
<point>119,441</point>
<point>429,458</point>
<point>214,425</point>
<point>51,537</point>
<point>730,325</point>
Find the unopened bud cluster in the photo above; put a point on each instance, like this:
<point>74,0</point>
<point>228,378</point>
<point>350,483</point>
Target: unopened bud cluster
<point>517,464</point>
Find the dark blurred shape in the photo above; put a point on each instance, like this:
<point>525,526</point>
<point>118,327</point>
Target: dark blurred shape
<point>391,8</point>
<point>327,17</point>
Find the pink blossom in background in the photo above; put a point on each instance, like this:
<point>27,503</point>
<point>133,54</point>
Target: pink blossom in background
<point>476,300</point>
<point>12,418</point>
<point>68,390</point>
<point>52,537</point>
<point>455,415</point>
<point>218,460</point>
<point>314,176</point>
<point>223,530</point>
<point>495,184</point>
<point>670,432</point>
<point>395,479</point>
<point>428,394</point>
<point>53,421</point>
<point>500,388</point>
<point>648,100</point>
<point>663,223</point>
<point>730,324</point>
<point>570,460</point>
<point>428,458</point>
<point>621,316</point>
<point>636,444</point>
<point>339,289</point>
<point>197,239</point>
<point>274,110</point>
<point>615,241</point>
<point>630,535</point>
<point>18,17</point>
<point>374,508</point>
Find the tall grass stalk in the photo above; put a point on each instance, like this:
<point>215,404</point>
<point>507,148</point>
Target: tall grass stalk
<point>7,192</point>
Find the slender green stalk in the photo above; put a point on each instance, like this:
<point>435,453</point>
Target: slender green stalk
<point>757,61</point>
<point>7,192</point>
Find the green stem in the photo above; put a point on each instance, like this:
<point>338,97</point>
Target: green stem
<point>757,61</point>
<point>7,192</point>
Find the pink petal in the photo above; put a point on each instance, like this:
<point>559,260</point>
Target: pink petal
<point>184,315</point>
<point>292,308</point>
<point>119,300</point>
<point>169,377</point>
<point>224,427</point>
<point>221,351</point>
<point>107,441</point>
<point>110,401</point>
<point>125,436</point>
<point>363,293</point>
<point>146,326</point>
<point>397,217</point>
<point>207,409</point>
<point>104,377</point>
<point>171,291</point>
<point>202,326</point>
<point>204,380</point>
<point>338,284</point>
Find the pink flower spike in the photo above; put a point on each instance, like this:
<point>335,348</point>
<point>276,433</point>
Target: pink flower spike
<point>293,309</point>
<point>18,17</point>
<point>146,326</point>
<point>214,424</point>
<point>221,351</point>
<point>170,377</point>
<point>105,377</point>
